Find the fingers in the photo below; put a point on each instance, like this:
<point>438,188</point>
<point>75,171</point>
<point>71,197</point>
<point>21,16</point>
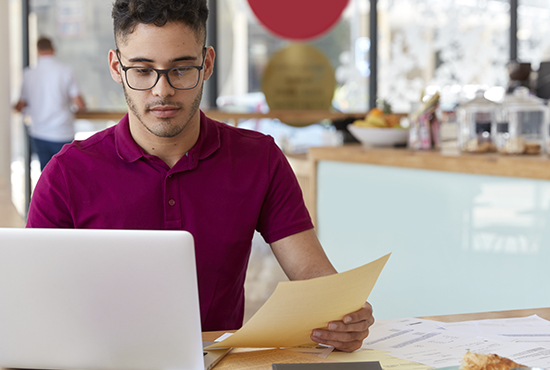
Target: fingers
<point>342,341</point>
<point>364,314</point>
<point>355,327</point>
<point>348,334</point>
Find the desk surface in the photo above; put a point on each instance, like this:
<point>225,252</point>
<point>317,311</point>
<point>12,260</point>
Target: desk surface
<point>542,312</point>
<point>233,360</point>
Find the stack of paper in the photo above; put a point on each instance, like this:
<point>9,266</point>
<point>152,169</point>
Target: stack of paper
<point>297,307</point>
<point>437,344</point>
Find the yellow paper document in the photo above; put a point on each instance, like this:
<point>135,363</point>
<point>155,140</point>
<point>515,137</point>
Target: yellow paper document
<point>297,307</point>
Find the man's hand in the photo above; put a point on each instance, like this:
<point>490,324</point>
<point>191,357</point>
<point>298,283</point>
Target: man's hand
<point>302,257</point>
<point>346,335</point>
<point>19,106</point>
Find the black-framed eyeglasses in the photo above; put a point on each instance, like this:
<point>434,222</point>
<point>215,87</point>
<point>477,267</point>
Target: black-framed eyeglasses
<point>145,78</point>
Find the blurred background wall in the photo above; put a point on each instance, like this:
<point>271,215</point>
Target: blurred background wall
<point>5,135</point>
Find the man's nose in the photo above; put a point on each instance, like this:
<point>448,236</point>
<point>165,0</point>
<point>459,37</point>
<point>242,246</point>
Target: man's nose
<point>163,87</point>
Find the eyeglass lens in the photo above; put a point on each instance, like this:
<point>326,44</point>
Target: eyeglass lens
<point>180,78</point>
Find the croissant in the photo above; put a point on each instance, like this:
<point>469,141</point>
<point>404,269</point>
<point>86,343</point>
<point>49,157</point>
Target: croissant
<point>477,361</point>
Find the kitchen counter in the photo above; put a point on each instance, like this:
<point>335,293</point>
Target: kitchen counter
<point>297,116</point>
<point>448,159</point>
<point>467,232</point>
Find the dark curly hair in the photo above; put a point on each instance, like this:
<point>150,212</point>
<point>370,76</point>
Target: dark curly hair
<point>127,14</point>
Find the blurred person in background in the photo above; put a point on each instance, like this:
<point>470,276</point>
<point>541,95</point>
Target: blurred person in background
<point>50,96</point>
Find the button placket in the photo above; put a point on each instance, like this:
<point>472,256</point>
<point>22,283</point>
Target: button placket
<point>172,209</point>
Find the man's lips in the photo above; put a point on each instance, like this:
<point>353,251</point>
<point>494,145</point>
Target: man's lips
<point>164,110</point>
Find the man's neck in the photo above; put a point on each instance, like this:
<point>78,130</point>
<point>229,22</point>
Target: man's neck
<point>170,150</point>
<point>45,53</point>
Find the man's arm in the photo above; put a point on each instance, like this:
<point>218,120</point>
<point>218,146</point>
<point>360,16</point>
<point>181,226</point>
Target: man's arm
<point>301,257</point>
<point>78,102</point>
<point>20,105</point>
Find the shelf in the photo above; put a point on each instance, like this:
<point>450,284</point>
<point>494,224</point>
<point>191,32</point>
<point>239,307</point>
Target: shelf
<point>296,116</point>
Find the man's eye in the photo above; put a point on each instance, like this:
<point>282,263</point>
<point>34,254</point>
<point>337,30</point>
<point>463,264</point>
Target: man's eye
<point>143,71</point>
<point>182,71</point>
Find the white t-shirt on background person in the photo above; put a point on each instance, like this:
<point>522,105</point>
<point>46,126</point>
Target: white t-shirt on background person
<point>48,90</point>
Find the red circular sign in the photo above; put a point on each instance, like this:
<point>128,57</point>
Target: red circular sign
<point>298,19</point>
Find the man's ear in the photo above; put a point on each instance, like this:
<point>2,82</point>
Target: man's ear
<point>209,62</point>
<point>114,66</point>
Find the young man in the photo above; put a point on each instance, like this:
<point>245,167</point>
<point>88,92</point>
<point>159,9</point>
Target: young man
<point>166,165</point>
<point>48,93</point>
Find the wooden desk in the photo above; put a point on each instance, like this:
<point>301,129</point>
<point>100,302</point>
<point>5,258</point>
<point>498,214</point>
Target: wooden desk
<point>542,312</point>
<point>235,360</point>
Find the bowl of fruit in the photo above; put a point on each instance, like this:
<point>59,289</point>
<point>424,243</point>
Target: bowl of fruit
<point>379,129</point>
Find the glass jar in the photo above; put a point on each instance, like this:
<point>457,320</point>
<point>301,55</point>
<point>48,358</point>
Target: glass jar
<point>522,122</point>
<point>475,121</point>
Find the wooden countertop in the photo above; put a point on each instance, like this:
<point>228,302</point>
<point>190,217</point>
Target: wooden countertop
<point>297,116</point>
<point>449,159</point>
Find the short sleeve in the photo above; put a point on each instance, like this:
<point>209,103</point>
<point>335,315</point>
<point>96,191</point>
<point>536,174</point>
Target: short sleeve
<point>283,212</point>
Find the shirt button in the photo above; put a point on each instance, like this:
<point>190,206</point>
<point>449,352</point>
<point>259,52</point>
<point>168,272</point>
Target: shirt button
<point>172,202</point>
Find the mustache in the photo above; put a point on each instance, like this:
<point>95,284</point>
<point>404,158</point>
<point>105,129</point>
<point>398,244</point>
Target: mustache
<point>163,103</point>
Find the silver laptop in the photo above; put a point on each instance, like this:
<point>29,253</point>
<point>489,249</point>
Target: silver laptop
<point>100,300</point>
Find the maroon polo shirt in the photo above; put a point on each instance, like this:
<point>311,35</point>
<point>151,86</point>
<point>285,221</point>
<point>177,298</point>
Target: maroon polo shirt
<point>232,182</point>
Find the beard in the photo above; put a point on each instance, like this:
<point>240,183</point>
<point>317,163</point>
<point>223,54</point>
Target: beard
<point>169,127</point>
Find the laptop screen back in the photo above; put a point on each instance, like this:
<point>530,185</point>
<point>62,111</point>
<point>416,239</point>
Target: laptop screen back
<point>98,299</point>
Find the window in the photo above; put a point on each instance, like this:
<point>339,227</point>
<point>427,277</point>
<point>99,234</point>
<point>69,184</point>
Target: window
<point>245,47</point>
<point>82,34</point>
<point>451,46</point>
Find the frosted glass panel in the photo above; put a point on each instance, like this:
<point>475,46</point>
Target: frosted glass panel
<point>460,243</point>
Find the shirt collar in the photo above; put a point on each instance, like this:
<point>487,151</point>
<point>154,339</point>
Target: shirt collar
<point>208,142</point>
<point>209,138</point>
<point>126,147</point>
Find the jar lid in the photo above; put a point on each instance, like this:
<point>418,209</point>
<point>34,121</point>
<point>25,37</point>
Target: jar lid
<point>479,103</point>
<point>522,99</point>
